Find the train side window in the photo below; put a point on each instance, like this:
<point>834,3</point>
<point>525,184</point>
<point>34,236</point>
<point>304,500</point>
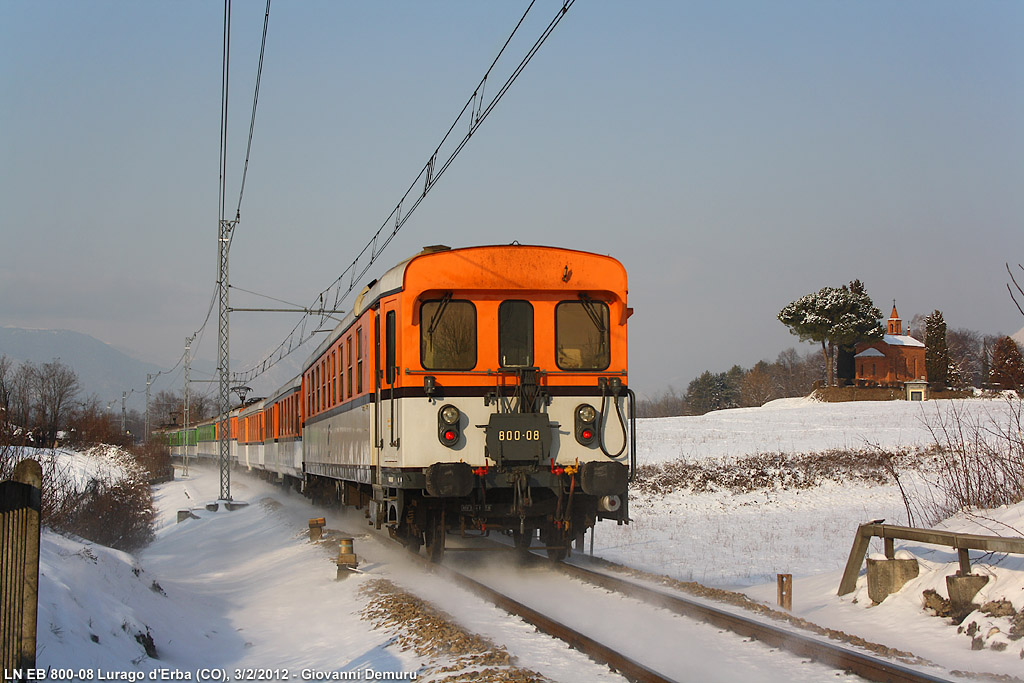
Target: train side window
<point>389,360</point>
<point>359,360</point>
<point>334,378</point>
<point>582,336</point>
<point>515,334</point>
<point>348,357</point>
<point>448,335</point>
<point>341,370</point>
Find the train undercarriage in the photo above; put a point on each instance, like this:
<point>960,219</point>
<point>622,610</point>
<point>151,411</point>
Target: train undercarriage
<point>521,504</point>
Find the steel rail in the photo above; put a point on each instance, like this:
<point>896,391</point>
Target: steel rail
<point>864,665</point>
<point>629,668</point>
<point>867,666</point>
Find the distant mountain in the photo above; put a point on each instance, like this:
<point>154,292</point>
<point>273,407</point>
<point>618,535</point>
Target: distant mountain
<point>106,371</point>
<point>101,369</point>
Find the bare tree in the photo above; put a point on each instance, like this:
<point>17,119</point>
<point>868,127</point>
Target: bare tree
<point>964,348</point>
<point>795,374</point>
<point>168,403</point>
<point>668,404</point>
<point>22,397</point>
<point>758,386</point>
<point>90,423</point>
<point>56,387</point>
<point>6,378</point>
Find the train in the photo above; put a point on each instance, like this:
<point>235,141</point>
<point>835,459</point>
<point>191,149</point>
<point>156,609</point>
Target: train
<point>469,390</point>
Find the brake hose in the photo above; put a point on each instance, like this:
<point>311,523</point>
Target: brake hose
<point>618,412</point>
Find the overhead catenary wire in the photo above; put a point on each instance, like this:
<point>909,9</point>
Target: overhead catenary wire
<point>265,296</point>
<point>252,118</point>
<point>222,179</point>
<point>479,108</point>
<point>224,92</point>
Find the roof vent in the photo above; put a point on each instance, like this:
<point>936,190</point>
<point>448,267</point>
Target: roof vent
<point>433,249</point>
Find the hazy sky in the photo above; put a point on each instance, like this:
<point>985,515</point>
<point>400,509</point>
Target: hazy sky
<point>733,155</point>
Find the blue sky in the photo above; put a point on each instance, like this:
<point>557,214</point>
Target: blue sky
<point>733,155</point>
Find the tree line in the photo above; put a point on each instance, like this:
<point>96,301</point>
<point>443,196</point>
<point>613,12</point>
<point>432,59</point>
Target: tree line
<point>41,403</point>
<point>837,318</point>
<point>791,374</point>
<point>962,358</point>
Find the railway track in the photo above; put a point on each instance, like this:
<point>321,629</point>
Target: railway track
<point>790,640</point>
<point>864,665</point>
<point>629,668</point>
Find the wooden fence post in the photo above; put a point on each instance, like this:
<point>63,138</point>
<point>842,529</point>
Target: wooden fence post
<point>856,559</point>
<point>785,582</point>
<point>20,501</point>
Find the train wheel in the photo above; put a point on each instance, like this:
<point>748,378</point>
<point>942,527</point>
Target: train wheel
<point>413,542</point>
<point>522,541</point>
<point>556,541</point>
<point>435,536</point>
<point>409,536</point>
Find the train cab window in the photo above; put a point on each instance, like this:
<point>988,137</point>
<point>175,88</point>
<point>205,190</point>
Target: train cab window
<point>582,335</point>
<point>515,334</point>
<point>448,335</point>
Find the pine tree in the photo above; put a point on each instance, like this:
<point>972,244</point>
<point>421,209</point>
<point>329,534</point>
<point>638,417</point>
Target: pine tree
<point>846,365</point>
<point>936,355</point>
<point>985,365</point>
<point>704,393</point>
<point>834,317</point>
<point>1007,365</point>
<point>714,391</point>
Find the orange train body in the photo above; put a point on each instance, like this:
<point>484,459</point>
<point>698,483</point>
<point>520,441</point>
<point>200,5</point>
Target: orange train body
<point>479,388</point>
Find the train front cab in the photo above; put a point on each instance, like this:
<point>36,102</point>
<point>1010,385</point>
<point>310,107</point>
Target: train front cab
<point>502,399</point>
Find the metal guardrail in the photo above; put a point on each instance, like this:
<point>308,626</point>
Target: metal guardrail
<point>962,543</point>
<point>20,501</point>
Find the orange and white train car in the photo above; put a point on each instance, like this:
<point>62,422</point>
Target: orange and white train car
<point>483,388</point>
<point>478,388</point>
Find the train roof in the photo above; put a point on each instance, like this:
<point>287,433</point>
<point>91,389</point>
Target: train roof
<point>251,407</point>
<point>514,266</point>
<point>289,388</point>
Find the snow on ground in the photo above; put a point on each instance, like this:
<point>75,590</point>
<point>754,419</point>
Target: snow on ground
<point>246,588</point>
<point>102,463</point>
<point>802,425</point>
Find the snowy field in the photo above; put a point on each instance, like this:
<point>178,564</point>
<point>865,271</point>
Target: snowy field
<point>730,540</point>
<point>246,589</point>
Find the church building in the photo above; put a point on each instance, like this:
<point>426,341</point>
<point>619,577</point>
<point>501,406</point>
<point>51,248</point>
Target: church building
<point>895,359</point>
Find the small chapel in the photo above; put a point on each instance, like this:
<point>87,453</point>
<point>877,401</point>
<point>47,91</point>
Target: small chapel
<point>892,361</point>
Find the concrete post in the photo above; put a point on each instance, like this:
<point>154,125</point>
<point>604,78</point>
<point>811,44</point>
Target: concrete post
<point>889,576</point>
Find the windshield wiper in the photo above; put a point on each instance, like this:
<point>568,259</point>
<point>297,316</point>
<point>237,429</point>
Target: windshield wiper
<point>435,320</point>
<point>591,309</point>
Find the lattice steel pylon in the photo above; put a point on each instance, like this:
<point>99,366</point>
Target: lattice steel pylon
<point>224,402</point>
<point>187,398</point>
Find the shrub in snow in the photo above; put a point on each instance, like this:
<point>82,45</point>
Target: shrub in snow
<point>101,494</point>
<point>980,462</point>
<point>762,471</point>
